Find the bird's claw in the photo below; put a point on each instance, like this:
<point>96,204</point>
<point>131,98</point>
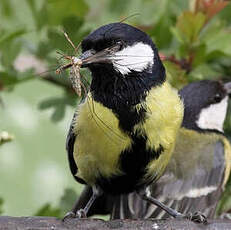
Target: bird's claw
<point>81,214</point>
<point>197,217</point>
<point>69,215</point>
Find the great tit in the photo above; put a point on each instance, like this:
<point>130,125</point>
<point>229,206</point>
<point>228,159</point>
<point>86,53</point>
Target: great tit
<point>122,136</point>
<point>200,165</point>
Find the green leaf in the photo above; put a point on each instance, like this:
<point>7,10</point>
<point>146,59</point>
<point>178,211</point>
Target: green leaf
<point>43,49</point>
<point>40,15</point>
<point>225,201</point>
<point>32,5</point>
<point>6,8</point>
<point>59,9</point>
<point>175,75</point>
<point>188,26</point>
<point>225,14</point>
<point>58,105</point>
<point>10,46</point>
<point>48,210</point>
<point>199,54</point>
<point>10,51</point>
<point>160,32</point>
<point>1,206</point>
<point>10,79</point>
<point>119,6</point>
<point>10,35</point>
<point>217,39</point>
<point>177,34</point>
<point>203,71</point>
<point>57,40</point>
<point>220,41</point>
<point>72,24</point>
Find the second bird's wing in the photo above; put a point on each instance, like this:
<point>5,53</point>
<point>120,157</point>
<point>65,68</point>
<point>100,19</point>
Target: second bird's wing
<point>193,180</point>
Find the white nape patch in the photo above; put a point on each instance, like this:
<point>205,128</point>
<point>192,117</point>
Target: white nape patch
<point>133,58</point>
<point>213,117</point>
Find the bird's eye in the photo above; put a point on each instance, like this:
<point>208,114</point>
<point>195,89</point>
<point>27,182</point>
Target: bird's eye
<point>217,98</point>
<point>120,44</point>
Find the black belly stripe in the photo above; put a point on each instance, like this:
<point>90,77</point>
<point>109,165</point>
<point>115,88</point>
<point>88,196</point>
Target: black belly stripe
<point>129,117</point>
<point>133,163</point>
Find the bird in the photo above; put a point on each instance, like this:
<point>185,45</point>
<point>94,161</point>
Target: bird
<point>123,134</point>
<point>200,166</point>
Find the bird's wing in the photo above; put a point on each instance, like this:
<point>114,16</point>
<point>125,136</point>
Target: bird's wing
<point>102,204</point>
<point>193,180</point>
<point>197,189</point>
<point>70,147</point>
<point>70,141</point>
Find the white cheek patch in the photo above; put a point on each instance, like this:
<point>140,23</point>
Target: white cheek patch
<point>213,117</point>
<point>133,58</point>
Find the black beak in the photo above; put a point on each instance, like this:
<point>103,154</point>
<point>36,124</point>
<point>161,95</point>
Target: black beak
<point>227,87</point>
<point>103,56</point>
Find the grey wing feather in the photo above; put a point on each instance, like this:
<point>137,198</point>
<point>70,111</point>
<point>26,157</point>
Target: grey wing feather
<point>197,190</point>
<point>192,182</point>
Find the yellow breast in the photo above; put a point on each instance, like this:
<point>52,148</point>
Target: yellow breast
<point>164,118</point>
<point>100,141</point>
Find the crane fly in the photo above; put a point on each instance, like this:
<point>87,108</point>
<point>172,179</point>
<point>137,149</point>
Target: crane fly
<point>75,65</point>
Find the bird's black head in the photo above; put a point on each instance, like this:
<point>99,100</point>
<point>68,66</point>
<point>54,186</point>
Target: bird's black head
<point>124,64</point>
<point>205,104</point>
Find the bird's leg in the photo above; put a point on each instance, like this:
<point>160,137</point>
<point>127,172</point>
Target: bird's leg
<point>96,193</point>
<point>146,195</point>
<point>80,203</point>
<point>79,212</point>
<point>196,217</point>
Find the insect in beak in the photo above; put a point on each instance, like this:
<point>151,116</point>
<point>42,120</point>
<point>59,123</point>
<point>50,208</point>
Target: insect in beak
<point>85,59</point>
<point>75,76</point>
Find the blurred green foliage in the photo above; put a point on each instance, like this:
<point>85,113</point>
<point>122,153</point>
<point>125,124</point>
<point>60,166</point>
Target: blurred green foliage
<point>66,201</point>
<point>1,206</point>
<point>193,38</point>
<point>47,210</point>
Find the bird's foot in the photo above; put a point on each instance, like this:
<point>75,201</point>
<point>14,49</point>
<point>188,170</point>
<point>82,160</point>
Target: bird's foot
<point>79,214</point>
<point>196,217</point>
<point>69,215</point>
